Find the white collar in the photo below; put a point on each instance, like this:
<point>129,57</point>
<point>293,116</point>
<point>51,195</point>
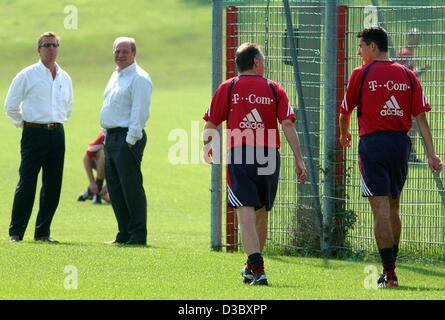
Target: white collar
<point>41,65</point>
<point>127,69</point>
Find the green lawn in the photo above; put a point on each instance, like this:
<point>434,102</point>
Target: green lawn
<point>175,269</point>
<point>174,46</point>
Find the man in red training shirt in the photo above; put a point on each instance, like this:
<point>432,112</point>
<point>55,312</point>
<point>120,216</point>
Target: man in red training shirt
<point>94,158</point>
<point>386,95</point>
<point>252,106</point>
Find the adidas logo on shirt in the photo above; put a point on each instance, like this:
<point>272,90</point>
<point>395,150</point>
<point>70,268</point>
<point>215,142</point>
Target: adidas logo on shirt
<point>252,121</point>
<point>391,108</point>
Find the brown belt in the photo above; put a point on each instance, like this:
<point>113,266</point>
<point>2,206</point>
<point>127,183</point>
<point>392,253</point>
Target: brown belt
<point>47,126</point>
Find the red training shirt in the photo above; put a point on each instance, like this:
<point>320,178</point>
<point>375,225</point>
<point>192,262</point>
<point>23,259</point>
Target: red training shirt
<point>95,145</point>
<point>389,97</point>
<point>253,111</point>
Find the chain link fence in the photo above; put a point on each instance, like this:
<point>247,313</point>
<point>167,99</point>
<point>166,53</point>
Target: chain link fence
<point>294,224</point>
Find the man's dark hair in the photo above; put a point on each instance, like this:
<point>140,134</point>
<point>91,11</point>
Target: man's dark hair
<point>378,35</point>
<point>245,55</point>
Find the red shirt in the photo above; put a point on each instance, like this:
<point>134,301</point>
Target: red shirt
<point>391,94</point>
<point>253,113</point>
<point>95,145</point>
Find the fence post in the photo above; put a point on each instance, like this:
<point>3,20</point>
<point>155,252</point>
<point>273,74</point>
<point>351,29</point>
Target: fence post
<point>216,178</point>
<point>231,46</point>
<point>330,94</point>
<point>339,236</point>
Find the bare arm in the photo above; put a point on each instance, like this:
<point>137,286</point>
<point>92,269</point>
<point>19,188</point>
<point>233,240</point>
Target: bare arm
<point>292,138</point>
<point>208,135</point>
<point>345,134</point>
<point>434,161</point>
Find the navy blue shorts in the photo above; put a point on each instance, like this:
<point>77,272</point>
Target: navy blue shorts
<point>252,177</point>
<point>383,160</point>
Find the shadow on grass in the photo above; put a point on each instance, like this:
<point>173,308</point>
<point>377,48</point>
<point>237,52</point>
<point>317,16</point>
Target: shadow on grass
<point>325,263</point>
<point>126,247</point>
<point>423,271</point>
<point>412,289</point>
<point>82,244</point>
<point>36,243</point>
<point>281,286</point>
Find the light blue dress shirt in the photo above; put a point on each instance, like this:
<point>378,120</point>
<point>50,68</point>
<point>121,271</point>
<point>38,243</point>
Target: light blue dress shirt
<point>127,101</point>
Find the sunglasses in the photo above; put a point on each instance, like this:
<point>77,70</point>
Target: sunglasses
<point>49,45</point>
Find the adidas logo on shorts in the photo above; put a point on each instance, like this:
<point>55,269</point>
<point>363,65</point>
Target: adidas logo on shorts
<point>391,108</point>
<point>252,121</point>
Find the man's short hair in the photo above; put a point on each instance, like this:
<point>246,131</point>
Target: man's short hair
<point>47,35</point>
<point>245,55</point>
<point>378,35</point>
<point>125,39</point>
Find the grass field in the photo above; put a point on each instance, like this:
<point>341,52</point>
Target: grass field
<point>175,48</point>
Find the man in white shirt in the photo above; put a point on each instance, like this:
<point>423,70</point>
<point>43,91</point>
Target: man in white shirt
<point>39,100</point>
<point>124,113</point>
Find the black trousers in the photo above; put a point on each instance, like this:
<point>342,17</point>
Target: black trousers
<point>40,149</point>
<point>125,186</point>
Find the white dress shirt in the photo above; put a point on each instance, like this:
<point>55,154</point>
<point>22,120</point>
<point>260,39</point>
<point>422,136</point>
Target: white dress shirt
<point>34,96</point>
<point>127,101</point>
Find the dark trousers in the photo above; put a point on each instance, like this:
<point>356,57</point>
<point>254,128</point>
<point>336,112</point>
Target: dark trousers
<point>40,148</point>
<point>125,186</point>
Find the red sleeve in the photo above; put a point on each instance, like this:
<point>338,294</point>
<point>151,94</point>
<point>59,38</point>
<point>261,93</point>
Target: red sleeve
<point>420,103</point>
<point>100,138</point>
<point>95,145</point>
<point>285,111</point>
<point>350,99</point>
<point>218,110</point>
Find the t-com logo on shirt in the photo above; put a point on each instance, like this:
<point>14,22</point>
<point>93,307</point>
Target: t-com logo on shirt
<point>389,85</point>
<point>252,99</point>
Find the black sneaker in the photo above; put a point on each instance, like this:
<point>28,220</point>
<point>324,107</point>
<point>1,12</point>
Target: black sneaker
<point>260,279</point>
<point>387,281</point>
<point>87,195</point>
<point>247,275</point>
<point>381,280</point>
<point>97,199</point>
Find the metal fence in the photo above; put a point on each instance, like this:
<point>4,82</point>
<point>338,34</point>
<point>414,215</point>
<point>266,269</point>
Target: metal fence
<point>294,223</point>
